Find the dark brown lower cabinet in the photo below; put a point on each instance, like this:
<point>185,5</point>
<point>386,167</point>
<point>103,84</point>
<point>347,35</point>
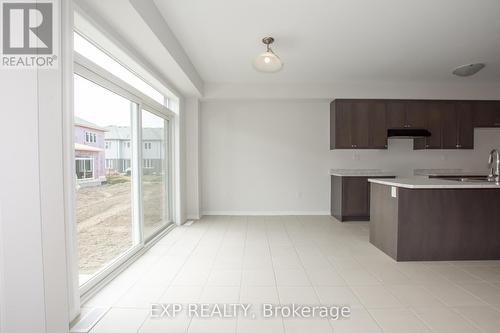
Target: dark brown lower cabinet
<point>350,197</point>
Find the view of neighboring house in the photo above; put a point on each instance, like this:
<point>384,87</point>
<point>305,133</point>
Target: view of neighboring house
<point>89,153</point>
<point>119,150</point>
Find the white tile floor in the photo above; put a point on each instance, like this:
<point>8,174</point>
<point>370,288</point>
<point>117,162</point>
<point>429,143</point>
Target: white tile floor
<point>298,259</point>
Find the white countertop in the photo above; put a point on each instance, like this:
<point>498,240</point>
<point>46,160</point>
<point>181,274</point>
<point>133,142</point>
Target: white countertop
<point>361,173</point>
<point>448,172</point>
<point>432,183</point>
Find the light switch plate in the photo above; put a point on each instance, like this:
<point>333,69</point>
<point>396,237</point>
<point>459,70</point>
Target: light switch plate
<point>394,191</point>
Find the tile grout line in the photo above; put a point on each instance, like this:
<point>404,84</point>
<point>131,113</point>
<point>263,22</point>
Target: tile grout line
<point>179,270</point>
<point>274,269</point>
<point>308,278</point>
<point>241,273</point>
<point>225,224</point>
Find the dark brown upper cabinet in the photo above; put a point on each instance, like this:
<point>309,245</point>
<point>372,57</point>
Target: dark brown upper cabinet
<point>450,123</point>
<point>417,114</point>
<point>396,114</point>
<point>486,114</point>
<point>430,117</point>
<point>405,114</point>
<point>458,127</point>
<point>465,125</point>
<point>363,124</point>
<point>358,124</point>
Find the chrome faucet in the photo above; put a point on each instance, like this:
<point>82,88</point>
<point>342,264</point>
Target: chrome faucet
<point>494,165</point>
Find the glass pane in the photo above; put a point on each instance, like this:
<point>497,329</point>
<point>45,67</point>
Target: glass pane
<point>154,173</point>
<point>103,195</point>
<point>94,54</point>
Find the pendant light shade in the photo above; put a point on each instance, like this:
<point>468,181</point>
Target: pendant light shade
<point>268,62</point>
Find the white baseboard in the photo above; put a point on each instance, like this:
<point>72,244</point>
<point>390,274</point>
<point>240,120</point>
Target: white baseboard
<point>193,217</point>
<point>265,213</point>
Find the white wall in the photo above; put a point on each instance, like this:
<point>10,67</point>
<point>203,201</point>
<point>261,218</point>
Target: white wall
<point>33,266</point>
<point>460,88</point>
<point>273,157</point>
<point>192,194</point>
<point>264,157</point>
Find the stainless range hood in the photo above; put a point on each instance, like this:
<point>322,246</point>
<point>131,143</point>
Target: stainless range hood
<point>407,133</point>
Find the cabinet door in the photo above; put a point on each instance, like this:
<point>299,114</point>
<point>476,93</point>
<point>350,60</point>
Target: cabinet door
<point>450,128</point>
<point>465,126</point>
<point>495,107</point>
<point>486,114</point>
<point>395,114</point>
<point>336,197</point>
<point>434,124</point>
<point>333,122</point>
<point>360,112</point>
<point>355,196</point>
<point>416,114</point>
<point>341,125</point>
<point>377,125</point>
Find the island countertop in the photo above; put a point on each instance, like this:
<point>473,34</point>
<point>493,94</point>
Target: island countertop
<point>432,183</point>
<point>448,172</point>
<point>362,173</point>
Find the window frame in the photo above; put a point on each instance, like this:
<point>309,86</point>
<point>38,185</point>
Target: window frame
<point>92,166</point>
<point>98,75</point>
<point>147,163</point>
<point>90,137</point>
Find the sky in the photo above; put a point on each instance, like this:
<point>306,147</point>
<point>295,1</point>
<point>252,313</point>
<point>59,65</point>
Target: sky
<point>104,108</point>
<point>101,106</point>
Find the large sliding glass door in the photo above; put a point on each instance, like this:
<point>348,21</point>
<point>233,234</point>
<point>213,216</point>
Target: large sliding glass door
<point>155,185</point>
<point>104,201</point>
<point>122,163</point>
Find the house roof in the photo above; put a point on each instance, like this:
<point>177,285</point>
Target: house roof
<point>84,123</point>
<point>123,133</point>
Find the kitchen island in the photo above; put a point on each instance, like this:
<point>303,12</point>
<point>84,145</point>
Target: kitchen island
<point>435,219</point>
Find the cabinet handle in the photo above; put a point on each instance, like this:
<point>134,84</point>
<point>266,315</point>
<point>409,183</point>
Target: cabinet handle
<point>459,146</point>
<point>426,146</point>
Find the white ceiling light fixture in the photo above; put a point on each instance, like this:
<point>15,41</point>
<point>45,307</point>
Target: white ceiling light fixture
<point>268,62</point>
<point>468,70</point>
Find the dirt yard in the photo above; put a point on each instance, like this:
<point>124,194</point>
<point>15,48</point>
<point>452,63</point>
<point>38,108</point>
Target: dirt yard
<point>104,220</point>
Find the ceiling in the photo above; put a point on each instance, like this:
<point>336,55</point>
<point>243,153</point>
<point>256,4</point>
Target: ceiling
<point>120,20</point>
<point>332,41</point>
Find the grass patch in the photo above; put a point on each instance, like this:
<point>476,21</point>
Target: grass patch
<point>151,179</point>
<point>111,180</point>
